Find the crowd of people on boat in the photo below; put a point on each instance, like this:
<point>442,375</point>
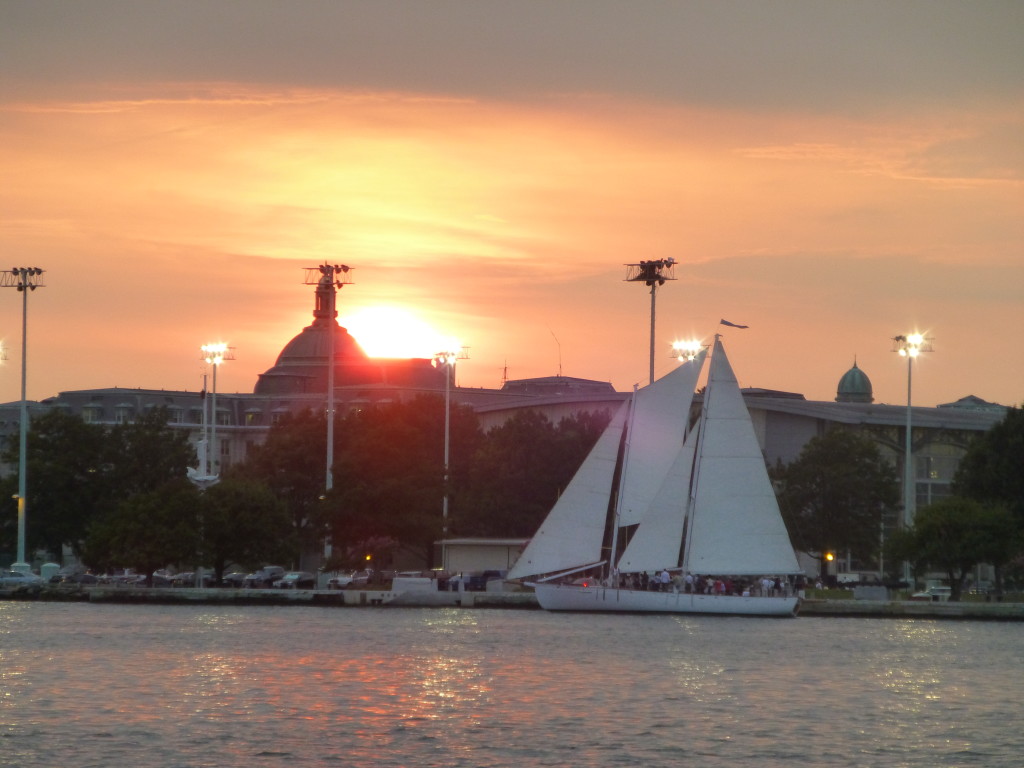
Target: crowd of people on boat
<point>696,584</point>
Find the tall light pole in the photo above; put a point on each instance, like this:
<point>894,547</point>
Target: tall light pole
<point>909,346</point>
<point>25,279</point>
<point>653,274</point>
<point>447,359</point>
<point>215,354</point>
<point>328,279</point>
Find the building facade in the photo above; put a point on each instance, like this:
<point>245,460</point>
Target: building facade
<point>298,382</point>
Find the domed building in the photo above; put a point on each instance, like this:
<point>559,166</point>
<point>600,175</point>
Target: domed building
<point>302,365</point>
<point>854,387</point>
<point>234,423</point>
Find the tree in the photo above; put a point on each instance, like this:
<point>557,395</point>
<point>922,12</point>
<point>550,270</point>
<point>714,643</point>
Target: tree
<point>389,472</point>
<point>955,534</point>
<point>146,454</point>
<point>991,470</point>
<point>245,523</point>
<point>68,462</point>
<point>291,464</point>
<point>147,531</point>
<point>77,471</point>
<point>834,494</point>
<point>521,469</point>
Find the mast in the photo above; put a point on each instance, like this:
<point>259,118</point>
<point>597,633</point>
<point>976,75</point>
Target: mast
<point>695,475</point>
<point>617,515</point>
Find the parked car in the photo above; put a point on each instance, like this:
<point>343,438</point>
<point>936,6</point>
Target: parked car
<point>188,579</point>
<point>13,579</point>
<point>360,578</point>
<point>340,580</point>
<point>74,577</point>
<point>933,594</point>
<point>128,578</point>
<point>264,577</point>
<point>296,580</point>
<point>234,579</point>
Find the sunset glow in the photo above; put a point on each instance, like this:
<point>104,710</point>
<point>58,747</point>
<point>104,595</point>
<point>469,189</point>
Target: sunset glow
<point>384,331</point>
<point>495,196</point>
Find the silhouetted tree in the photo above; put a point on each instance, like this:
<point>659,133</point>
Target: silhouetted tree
<point>955,534</point>
<point>389,472</point>
<point>77,471</point>
<point>146,531</point>
<point>521,469</point>
<point>291,463</point>
<point>243,522</point>
<point>834,494</point>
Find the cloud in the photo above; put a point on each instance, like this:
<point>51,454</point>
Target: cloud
<point>800,54</point>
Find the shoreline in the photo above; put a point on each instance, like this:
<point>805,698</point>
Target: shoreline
<point>346,598</point>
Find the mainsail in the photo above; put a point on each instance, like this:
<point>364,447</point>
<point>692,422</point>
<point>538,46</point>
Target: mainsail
<point>657,424</point>
<point>573,532</point>
<point>735,525</point>
<point>655,544</point>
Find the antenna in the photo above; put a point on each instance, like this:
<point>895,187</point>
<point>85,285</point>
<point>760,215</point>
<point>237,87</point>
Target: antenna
<point>559,350</point>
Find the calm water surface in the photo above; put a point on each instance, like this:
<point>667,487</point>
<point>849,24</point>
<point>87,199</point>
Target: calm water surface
<point>86,685</point>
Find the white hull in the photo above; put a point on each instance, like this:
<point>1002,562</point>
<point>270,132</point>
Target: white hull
<point>571,597</point>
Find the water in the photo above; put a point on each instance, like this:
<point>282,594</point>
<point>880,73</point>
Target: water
<point>187,686</point>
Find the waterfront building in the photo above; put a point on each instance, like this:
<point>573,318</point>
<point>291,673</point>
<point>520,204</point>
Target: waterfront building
<point>784,422</point>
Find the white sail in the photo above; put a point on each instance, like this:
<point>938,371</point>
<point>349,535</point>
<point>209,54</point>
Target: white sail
<point>736,527</point>
<point>573,532</point>
<point>655,437</point>
<point>656,543</point>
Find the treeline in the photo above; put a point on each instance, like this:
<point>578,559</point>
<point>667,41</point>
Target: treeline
<point>118,495</point>
<point>836,494</point>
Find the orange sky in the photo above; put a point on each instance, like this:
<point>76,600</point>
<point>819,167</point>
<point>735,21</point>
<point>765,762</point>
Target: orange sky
<point>489,175</point>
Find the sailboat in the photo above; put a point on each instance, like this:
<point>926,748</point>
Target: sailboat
<point>657,494</point>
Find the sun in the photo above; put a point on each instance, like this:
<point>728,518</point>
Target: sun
<point>388,331</point>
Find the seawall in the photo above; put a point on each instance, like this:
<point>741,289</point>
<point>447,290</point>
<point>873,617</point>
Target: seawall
<point>892,609</point>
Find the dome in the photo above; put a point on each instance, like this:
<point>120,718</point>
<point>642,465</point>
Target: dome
<point>854,387</point>
<point>302,365</point>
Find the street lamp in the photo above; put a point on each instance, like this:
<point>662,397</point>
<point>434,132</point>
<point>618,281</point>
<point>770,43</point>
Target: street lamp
<point>447,359</point>
<point>909,346</point>
<point>25,279</point>
<point>651,273</point>
<point>215,354</point>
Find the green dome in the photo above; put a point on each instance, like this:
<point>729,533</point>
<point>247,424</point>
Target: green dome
<point>854,387</point>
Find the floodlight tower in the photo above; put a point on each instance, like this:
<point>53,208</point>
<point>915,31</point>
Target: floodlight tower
<point>684,351</point>
<point>652,273</point>
<point>909,346</point>
<point>25,279</point>
<point>328,279</point>
<point>215,355</point>
<point>448,360</point>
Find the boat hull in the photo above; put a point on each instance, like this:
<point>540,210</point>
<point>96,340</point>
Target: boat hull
<point>573,597</point>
